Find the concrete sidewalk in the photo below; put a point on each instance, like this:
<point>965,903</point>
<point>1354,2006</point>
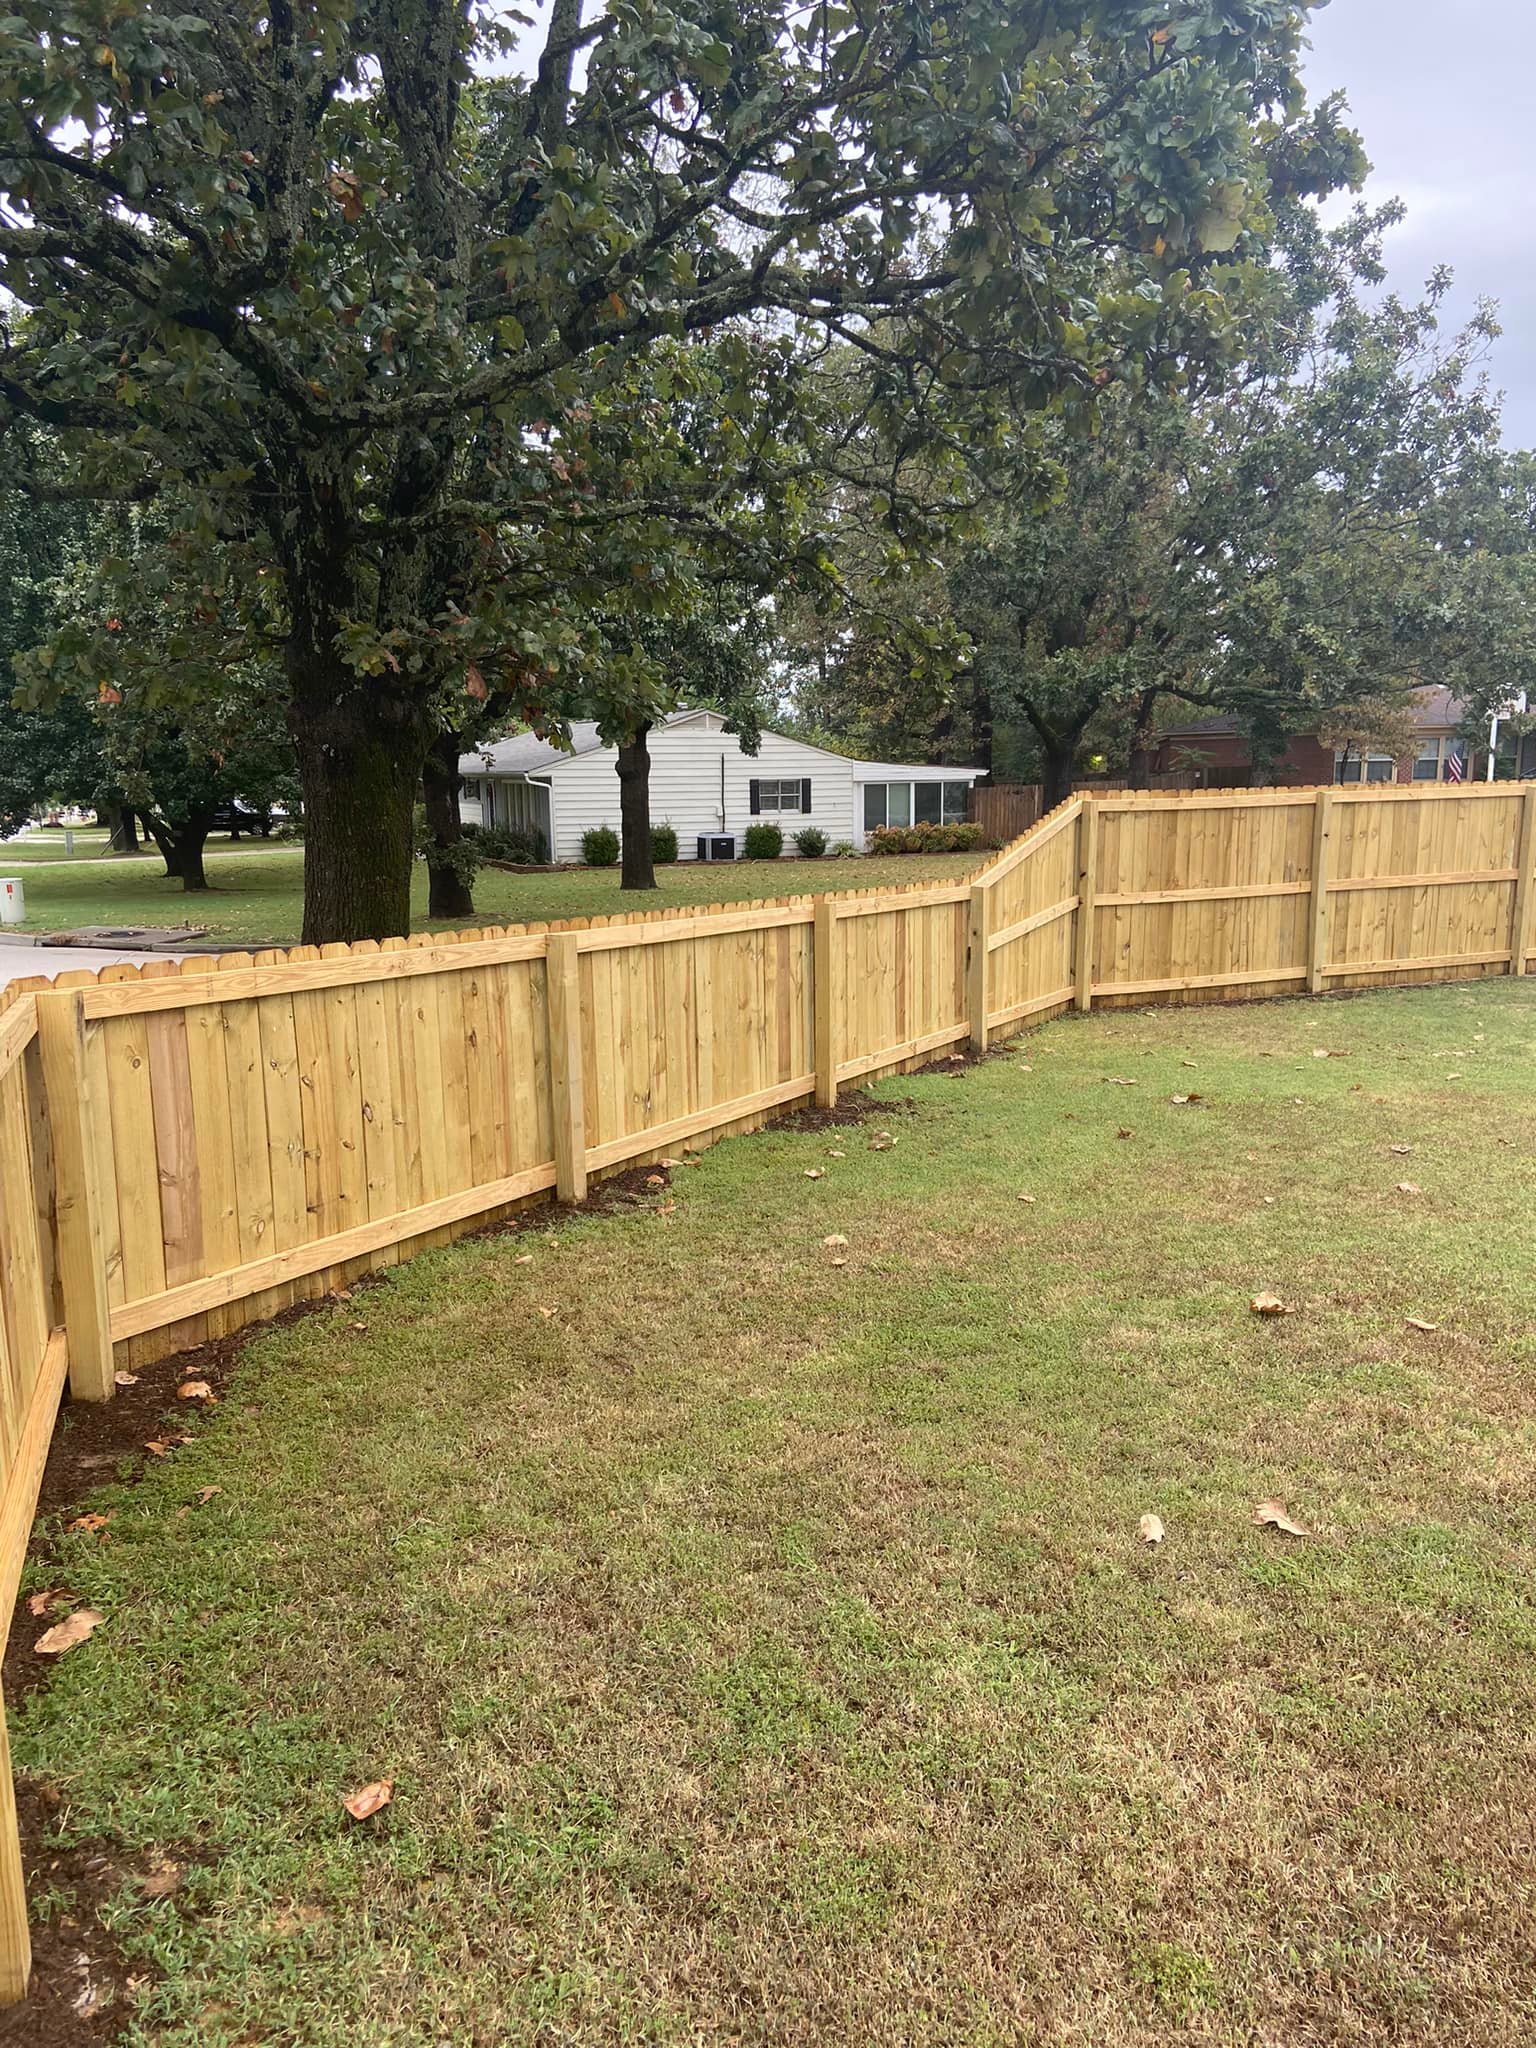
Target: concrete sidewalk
<point>18,962</point>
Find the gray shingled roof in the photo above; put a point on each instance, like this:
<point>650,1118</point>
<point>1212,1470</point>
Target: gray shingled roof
<point>525,752</point>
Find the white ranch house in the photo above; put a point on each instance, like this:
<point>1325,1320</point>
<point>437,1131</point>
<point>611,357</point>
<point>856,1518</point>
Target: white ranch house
<point>704,786</point>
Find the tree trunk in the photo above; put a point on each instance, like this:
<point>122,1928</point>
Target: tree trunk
<point>981,727</point>
<point>1142,750</point>
<point>1057,759</point>
<point>448,886</point>
<point>118,819</point>
<point>639,871</point>
<point>181,842</point>
<point>165,842</point>
<point>191,837</point>
<point>360,747</point>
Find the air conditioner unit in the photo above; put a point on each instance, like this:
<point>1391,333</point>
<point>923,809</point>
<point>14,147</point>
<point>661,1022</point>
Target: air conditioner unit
<point>717,846</point>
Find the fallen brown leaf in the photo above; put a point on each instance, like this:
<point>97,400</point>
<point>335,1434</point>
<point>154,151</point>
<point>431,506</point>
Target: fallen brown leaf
<point>1125,1131</point>
<point>815,1173</point>
<point>655,1180</point>
<point>69,1633</point>
<point>361,1328</point>
<point>837,1262</point>
<point>1402,1151</point>
<point>369,1799</point>
<point>1181,1099</point>
<point>665,1208</point>
<point>835,1242</point>
<point>163,1882</point>
<point>1271,1514</point>
<point>1418,1323</point>
<point>157,1447</point>
<point>837,1155</point>
<point>206,1494</point>
<point>88,1525</point>
<point>196,1390</point>
<point>1026,1198</point>
<point>1120,1080</point>
<point>125,1379</point>
<point>39,1603</point>
<point>1270,1305</point>
<point>1409,1187</point>
<point>549,1311</point>
<point>523,1259</point>
<point>882,1141</point>
<point>1150,1529</point>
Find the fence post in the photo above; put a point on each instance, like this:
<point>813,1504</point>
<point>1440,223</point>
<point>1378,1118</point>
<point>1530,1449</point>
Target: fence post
<point>976,964</point>
<point>1520,933</point>
<point>1317,941</point>
<point>562,971</point>
<point>826,998</point>
<point>81,1263</point>
<point>15,1938</point>
<point>1087,859</point>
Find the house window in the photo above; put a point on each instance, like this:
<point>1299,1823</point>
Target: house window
<point>915,803</point>
<point>1441,760</point>
<point>1368,768</point>
<point>784,795</point>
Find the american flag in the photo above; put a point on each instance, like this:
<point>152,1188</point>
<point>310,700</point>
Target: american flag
<point>1454,766</point>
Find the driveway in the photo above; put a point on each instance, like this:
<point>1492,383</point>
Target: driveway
<point>17,962</point>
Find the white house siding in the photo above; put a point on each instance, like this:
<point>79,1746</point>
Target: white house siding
<point>686,789</point>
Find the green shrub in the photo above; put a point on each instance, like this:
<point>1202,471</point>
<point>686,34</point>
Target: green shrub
<point>925,839</point>
<point>810,842</point>
<point>763,842</point>
<point>663,845</point>
<point>843,849</point>
<point>600,846</point>
<point>519,848</point>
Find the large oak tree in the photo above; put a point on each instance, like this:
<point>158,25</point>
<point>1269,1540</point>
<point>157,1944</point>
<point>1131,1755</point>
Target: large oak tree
<point>359,290</point>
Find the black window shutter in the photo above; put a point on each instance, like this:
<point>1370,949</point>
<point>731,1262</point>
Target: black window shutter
<point>805,793</point>
<point>754,797</point>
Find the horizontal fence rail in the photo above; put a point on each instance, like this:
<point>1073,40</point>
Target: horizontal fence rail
<point>185,1149</point>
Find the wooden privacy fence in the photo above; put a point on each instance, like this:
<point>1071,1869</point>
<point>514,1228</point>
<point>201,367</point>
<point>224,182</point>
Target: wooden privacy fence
<point>184,1150</point>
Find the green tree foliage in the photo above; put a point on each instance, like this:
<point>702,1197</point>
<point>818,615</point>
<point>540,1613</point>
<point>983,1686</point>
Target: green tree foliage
<point>429,365</point>
<point>69,733</point>
<point>1302,540</point>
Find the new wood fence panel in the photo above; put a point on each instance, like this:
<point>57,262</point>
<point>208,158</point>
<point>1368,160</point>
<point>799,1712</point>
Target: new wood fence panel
<point>1033,930</point>
<point>900,980</point>
<point>1201,896</point>
<point>1424,885</point>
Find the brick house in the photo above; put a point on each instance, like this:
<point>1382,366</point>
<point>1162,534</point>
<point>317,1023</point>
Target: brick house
<point>1216,752</point>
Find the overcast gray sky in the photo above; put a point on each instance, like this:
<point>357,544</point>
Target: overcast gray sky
<point>1442,92</point>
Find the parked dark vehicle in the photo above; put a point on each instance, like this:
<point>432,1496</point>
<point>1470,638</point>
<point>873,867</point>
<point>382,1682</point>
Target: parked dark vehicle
<point>235,818</point>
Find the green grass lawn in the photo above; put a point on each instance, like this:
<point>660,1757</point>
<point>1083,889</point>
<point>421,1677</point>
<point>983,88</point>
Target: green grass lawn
<point>762,1646</point>
<point>47,843</point>
<point>257,896</point>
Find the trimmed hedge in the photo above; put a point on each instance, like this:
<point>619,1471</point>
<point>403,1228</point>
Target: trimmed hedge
<point>926,839</point>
